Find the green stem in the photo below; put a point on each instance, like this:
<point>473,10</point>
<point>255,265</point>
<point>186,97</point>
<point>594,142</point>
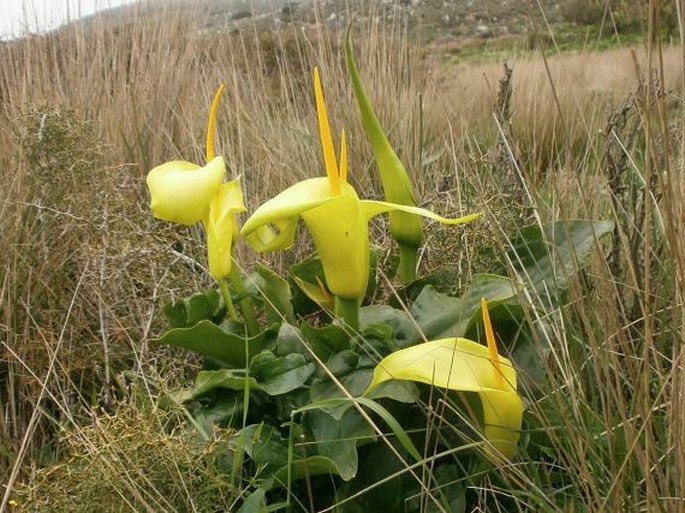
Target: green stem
<point>226,293</point>
<point>236,473</point>
<point>348,310</point>
<point>245,303</point>
<point>408,262</point>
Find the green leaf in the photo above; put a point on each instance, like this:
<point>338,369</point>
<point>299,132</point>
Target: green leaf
<point>208,381</point>
<point>326,341</point>
<point>443,280</point>
<point>214,342</point>
<point>280,375</point>
<point>207,305</point>
<point>405,330</point>
<point>265,445</point>
<point>290,340</point>
<point>338,439</point>
<point>255,502</point>
<point>342,363</point>
<point>400,433</point>
<point>401,391</point>
<point>269,451</point>
<point>223,410</point>
<point>306,467</point>
<point>548,257</point>
<point>354,383</point>
<point>449,488</point>
<point>441,316</point>
<point>275,294</point>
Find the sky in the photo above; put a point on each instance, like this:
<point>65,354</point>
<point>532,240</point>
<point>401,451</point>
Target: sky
<point>18,16</point>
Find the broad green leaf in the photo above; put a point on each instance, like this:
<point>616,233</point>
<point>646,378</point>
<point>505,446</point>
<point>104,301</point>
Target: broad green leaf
<point>396,428</point>
<point>311,466</point>
<point>342,363</point>
<point>354,383</point>
<point>226,408</point>
<point>208,381</point>
<point>290,340</point>
<point>274,292</point>
<point>255,502</point>
<point>401,391</point>
<point>449,487</point>
<point>325,341</point>
<point>214,342</point>
<point>443,280</point>
<point>265,445</point>
<point>548,257</point>
<point>441,316</point>
<point>207,305</point>
<point>378,463</point>
<point>269,451</point>
<point>278,375</point>
<point>338,439</point>
<point>405,330</point>
<point>401,434</point>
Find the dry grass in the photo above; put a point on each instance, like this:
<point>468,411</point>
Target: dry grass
<point>84,270</point>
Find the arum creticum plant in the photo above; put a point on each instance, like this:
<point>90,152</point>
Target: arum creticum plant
<point>406,228</point>
<point>335,217</point>
<point>463,365</point>
<point>186,193</point>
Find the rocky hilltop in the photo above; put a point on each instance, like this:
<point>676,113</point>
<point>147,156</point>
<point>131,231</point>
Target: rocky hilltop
<point>432,20</point>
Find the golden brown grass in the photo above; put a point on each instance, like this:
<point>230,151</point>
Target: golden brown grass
<point>84,269</point>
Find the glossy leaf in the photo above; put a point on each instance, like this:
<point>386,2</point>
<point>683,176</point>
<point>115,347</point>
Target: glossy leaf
<point>274,292</point>
<point>441,316</point>
<point>547,258</point>
<point>280,375</point>
<point>218,344</point>
<point>201,306</point>
<point>338,439</point>
<point>208,381</point>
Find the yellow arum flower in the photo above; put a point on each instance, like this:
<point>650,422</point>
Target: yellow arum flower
<point>333,213</point>
<point>464,365</point>
<point>182,191</point>
<point>186,193</point>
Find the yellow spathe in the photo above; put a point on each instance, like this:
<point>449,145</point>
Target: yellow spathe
<point>181,191</point>
<point>186,193</point>
<point>222,228</point>
<point>464,365</point>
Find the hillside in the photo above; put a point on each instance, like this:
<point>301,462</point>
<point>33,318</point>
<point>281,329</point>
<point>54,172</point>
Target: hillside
<point>431,20</point>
